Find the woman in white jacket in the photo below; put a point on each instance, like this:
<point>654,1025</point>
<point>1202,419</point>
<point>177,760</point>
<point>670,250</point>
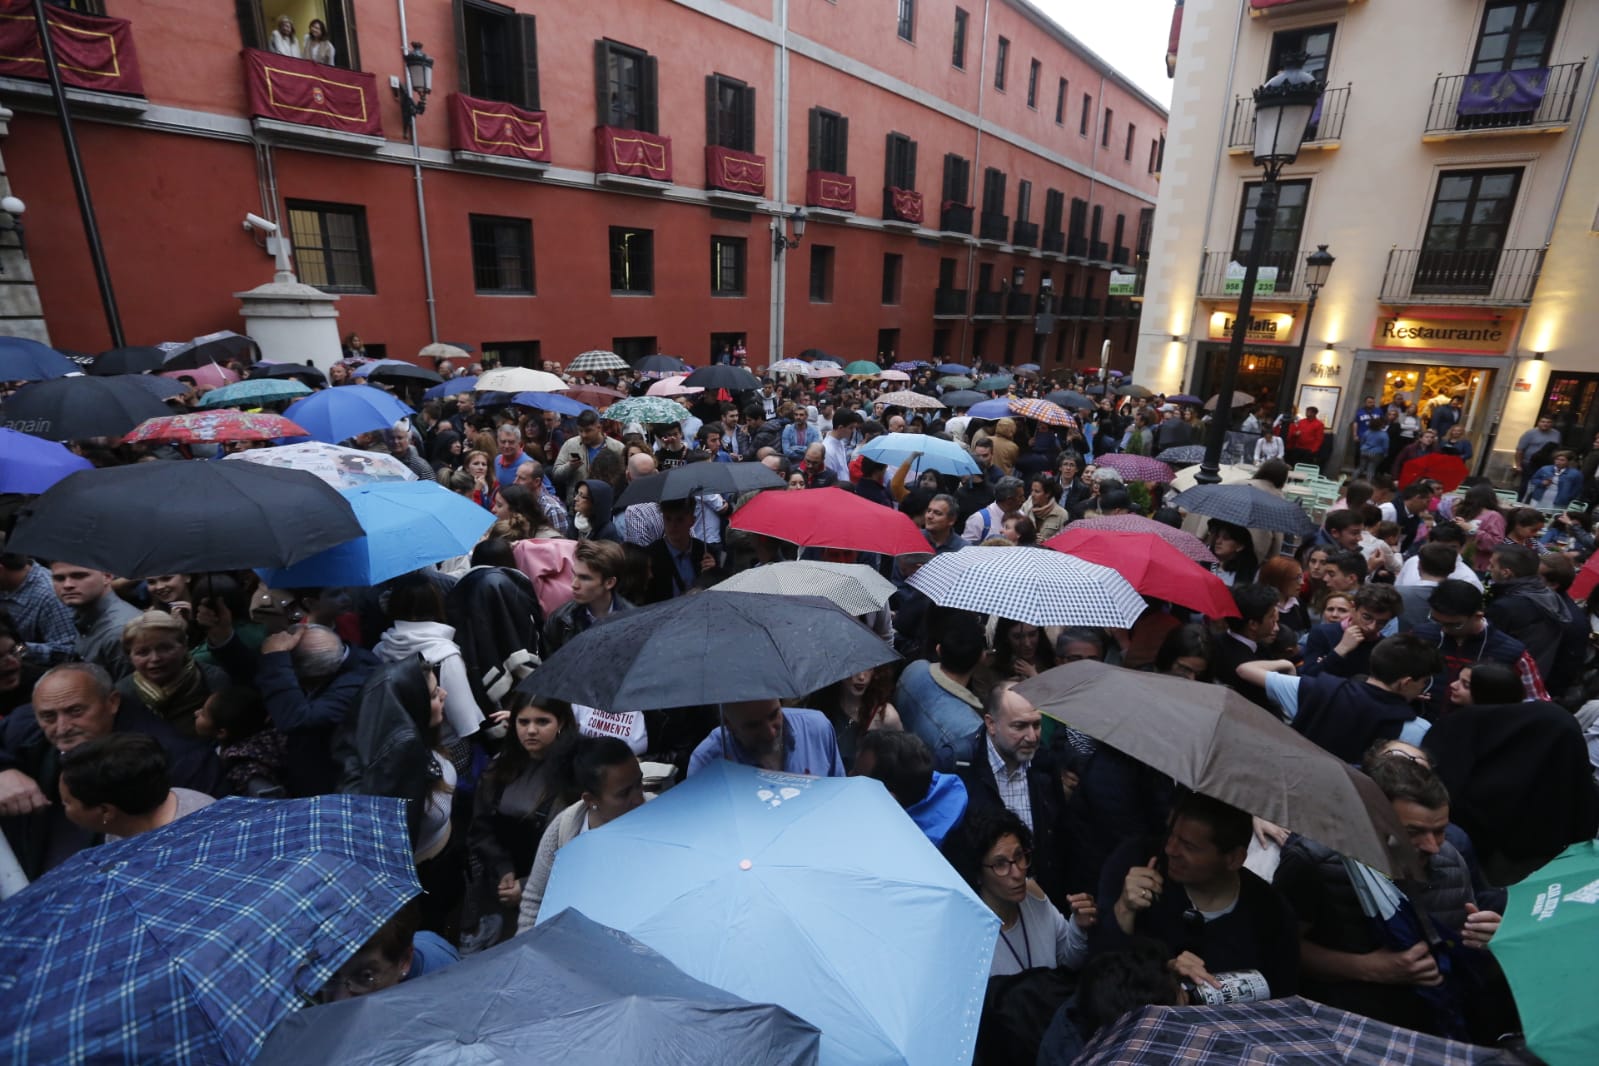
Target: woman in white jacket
<point>416,611</point>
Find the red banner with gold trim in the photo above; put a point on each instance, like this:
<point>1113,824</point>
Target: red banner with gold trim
<point>734,171</point>
<point>823,189</point>
<point>905,204</point>
<point>491,127</point>
<point>312,94</point>
<point>91,52</point>
<point>632,152</point>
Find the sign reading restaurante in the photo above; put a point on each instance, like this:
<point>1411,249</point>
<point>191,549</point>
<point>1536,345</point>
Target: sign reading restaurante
<point>1455,335</point>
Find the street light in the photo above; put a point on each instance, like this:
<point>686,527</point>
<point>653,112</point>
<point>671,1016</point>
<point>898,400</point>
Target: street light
<point>782,243</point>
<point>418,85</point>
<point>1283,107</point>
<point>1318,265</point>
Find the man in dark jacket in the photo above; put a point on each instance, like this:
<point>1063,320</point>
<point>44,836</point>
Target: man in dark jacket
<point>679,561</point>
<point>1247,638</point>
<point>1526,608</point>
<point>595,572</point>
<point>1344,649</point>
<point>1565,677</point>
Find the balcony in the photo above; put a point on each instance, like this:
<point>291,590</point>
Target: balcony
<point>993,226</point>
<point>1504,277</point>
<point>1120,307</point>
<point>1099,252</point>
<point>1281,276</point>
<point>1019,304</point>
<point>902,205</point>
<point>1121,256</point>
<point>1077,247</point>
<point>301,100</point>
<point>731,171</point>
<point>1071,307</point>
<point>1091,306</point>
<point>1326,128</point>
<point>1503,103</point>
<point>1264,8</point>
<point>829,191</point>
<point>988,305</point>
<point>1025,234</point>
<point>955,218</point>
<point>632,157</point>
<point>492,133</point>
<point>93,53</point>
<point>949,303</point>
<point>1054,241</point>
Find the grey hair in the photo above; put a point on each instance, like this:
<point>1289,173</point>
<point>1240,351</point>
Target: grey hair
<point>96,673</point>
<point>323,658</point>
<point>948,501</point>
<point>1079,635</point>
<point>1006,487</point>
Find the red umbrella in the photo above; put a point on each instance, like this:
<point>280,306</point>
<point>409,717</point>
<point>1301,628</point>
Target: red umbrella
<point>1186,543</point>
<point>205,427</point>
<point>830,518</point>
<point>1136,467</point>
<point>1448,470</point>
<point>1587,579</point>
<point>596,396</point>
<point>1152,566</point>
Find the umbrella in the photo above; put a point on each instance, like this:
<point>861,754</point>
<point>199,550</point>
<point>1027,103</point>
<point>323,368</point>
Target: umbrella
<point>1183,453</point>
<point>24,359</point>
<point>995,383</point>
<point>1154,567</point>
<point>596,396</point>
<point>700,479</point>
<point>1186,543</point>
<point>518,379</point>
<point>1138,392</point>
<point>829,362</point>
<point>158,385</point>
<point>580,993</point>
<point>207,375</point>
<point>78,408</point>
<point>310,375</point>
<point>1094,390</point>
<point>1240,399</point>
<point>944,456</point>
<point>906,398</point>
<point>253,392</point>
<point>212,426</point>
<point>659,364</point>
<point>1030,369</point>
<point>1215,741</point>
<point>862,368</point>
<point>1587,580</point>
<point>193,517</point>
<point>893,375</point>
<point>368,365</point>
<point>789,366</point>
<point>645,410</point>
<point>1273,1032</point>
<point>913,365</point>
<point>1032,585</point>
<point>343,468</point>
<point>439,351</point>
<point>1136,467</point>
<point>408,525</point>
<point>559,402</point>
<point>190,942</point>
<point>453,387</point>
<point>338,414</point>
<point>830,518</point>
<point>851,587</point>
<point>824,370</point>
<point>957,381</point>
<point>998,408</point>
<point>401,372</point>
<point>1247,506</point>
<point>1043,411</point>
<point>1230,474</point>
<point>1545,947</point>
<point>672,386</point>
<point>963,397</point>
<point>596,360</point>
<point>815,354</point>
<point>951,368</point>
<point>656,657</point>
<point>30,465</point>
<point>722,376</point>
<point>128,360</point>
<point>216,347</point>
<point>1184,399</point>
<point>1448,470</point>
<point>1075,401</point>
<point>816,894</point>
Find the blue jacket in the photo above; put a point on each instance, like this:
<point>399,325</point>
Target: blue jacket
<point>940,717</point>
<point>1375,442</point>
<point>794,446</point>
<point>941,810</point>
<point>1568,483</point>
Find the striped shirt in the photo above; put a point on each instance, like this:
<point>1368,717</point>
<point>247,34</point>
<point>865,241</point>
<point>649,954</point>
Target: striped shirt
<point>1012,785</point>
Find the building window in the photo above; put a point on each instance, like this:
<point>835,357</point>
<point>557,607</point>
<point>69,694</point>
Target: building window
<point>1001,59</point>
<point>1146,228</point>
<point>1466,229</point>
<point>1132,132</point>
<point>993,191</point>
<point>723,345</point>
<point>258,21</point>
<point>497,53</point>
<point>727,265</point>
<point>1054,210</point>
<point>1097,224</point>
<point>1034,69</point>
<point>634,348</point>
<point>729,113</point>
<point>1060,103</point>
<point>1516,35</point>
<point>1154,154</point>
<point>907,20</point>
<point>1314,43</point>
<point>958,57</point>
<point>1104,131</point>
<point>1282,247</point>
<point>900,170</point>
<point>887,346</point>
<point>510,353</point>
<point>624,82</point>
<point>1079,228</point>
<point>821,274</point>
<point>1088,115</point>
<point>979,342</point>
<point>1119,233</point>
<point>502,254</point>
<point>1024,200</point>
<point>829,141</point>
<point>632,260</point>
<point>957,179</point>
<point>941,344</point>
<point>893,267</point>
<point>331,247</point>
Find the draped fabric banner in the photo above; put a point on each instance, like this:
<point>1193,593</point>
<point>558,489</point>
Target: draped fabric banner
<point>734,171</point>
<point>836,191</point>
<point>312,94</point>
<point>91,52</point>
<point>1503,92</point>
<point>632,152</point>
<point>490,127</point>
<point>905,204</point>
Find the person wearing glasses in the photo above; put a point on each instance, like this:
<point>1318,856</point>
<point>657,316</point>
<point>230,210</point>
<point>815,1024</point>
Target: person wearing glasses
<point>1464,636</point>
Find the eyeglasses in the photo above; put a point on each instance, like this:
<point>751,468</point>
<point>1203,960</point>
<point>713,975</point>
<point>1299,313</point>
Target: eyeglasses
<point>1021,861</point>
<point>1449,627</point>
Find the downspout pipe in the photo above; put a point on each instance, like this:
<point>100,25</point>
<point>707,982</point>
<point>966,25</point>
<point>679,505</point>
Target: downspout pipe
<point>421,199</point>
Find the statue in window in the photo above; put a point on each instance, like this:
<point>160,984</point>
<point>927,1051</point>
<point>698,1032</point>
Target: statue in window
<point>316,46</point>
<point>284,42</point>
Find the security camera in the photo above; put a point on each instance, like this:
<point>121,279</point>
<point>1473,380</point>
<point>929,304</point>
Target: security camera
<point>254,221</point>
<point>12,206</point>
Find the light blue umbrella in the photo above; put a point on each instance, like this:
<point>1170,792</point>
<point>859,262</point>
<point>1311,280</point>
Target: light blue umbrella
<point>944,456</point>
<point>253,391</point>
<point>453,387</point>
<point>539,401</point>
<point>30,464</point>
<point>409,524</point>
<point>335,415</point>
<point>817,894</point>
<point>999,408</point>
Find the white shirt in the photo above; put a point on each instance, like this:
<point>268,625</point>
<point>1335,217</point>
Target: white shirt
<point>1410,574</point>
<point>837,457</point>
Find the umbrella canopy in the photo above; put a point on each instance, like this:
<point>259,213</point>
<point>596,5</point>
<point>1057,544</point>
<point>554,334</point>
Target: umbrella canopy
<point>518,379</point>
<point>398,371</point>
<point>408,525</point>
<point>830,518</point>
<point>951,368</point>
<point>254,391</point>
<point>1215,741</point>
<point>893,375</point>
<point>1030,369</point>
<point>1094,390</point>
<point>1183,453</point>
<point>209,375</point>
<point>862,368</point>
<point>212,426</point>
<point>131,359</point>
<point>1247,506</point>
<point>645,410</point>
<point>789,366</point>
<point>1448,470</point>
<point>1587,580</point>
<point>194,517</point>
<point>310,375</point>
<point>995,383</point>
<point>1240,399</point>
<point>656,657</point>
<point>343,468</point>
<point>579,992</point>
<point>851,587</point>
<point>78,408</point>
<point>1032,585</point>
<point>824,370</point>
<point>1042,411</point>
<point>905,398</point>
<point>672,386</point>
<point>596,396</point>
<point>1154,567</point>
<point>1187,543</point>
<point>1230,474</point>
<point>1138,392</point>
<point>823,360</point>
<point>333,415</point>
<point>438,351</point>
<point>1136,467</point>
<point>559,402</point>
<point>1184,398</point>
<point>25,359</point>
<point>453,387</point>
<point>816,894</point>
<point>996,408</point>
<point>912,365</point>
<point>722,376</point>
<point>190,942</point>
<point>218,347</point>
<point>957,381</point>
<point>659,364</point>
<point>963,396</point>
<point>158,385</point>
<point>30,465</point>
<point>1074,401</point>
<point>944,456</point>
<point>596,360</point>
<point>700,479</point>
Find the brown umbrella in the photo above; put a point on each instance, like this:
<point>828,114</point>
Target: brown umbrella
<point>1214,741</point>
<point>1240,399</point>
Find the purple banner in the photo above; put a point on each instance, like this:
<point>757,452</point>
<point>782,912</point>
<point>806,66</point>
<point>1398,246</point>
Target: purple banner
<point>1503,92</point>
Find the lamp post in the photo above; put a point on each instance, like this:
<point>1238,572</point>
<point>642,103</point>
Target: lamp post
<point>1318,265</point>
<point>413,99</point>
<point>782,243</point>
<point>1283,107</point>
<point>418,85</point>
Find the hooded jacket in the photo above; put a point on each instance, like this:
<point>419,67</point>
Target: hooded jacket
<point>1533,613</point>
<point>435,643</point>
<point>497,619</point>
<point>941,810</point>
<point>385,749</point>
<point>601,527</point>
<point>1004,445</point>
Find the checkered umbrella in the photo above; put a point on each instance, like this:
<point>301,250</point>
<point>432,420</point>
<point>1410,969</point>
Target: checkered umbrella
<point>645,410</point>
<point>1247,506</point>
<point>1186,543</point>
<point>906,398</point>
<point>1033,585</point>
<point>853,588</point>
<point>598,359</point>
<point>1043,411</point>
<point>1136,467</point>
<point>1183,453</point>
<point>189,943</point>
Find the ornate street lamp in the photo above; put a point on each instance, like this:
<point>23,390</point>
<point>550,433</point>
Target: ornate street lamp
<point>418,85</point>
<point>1318,265</point>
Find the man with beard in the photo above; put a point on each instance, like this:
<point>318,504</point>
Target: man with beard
<point>769,736</point>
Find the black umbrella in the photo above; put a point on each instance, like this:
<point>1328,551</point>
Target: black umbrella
<point>156,385</point>
<point>1247,506</point>
<point>216,347</point>
<point>700,479</point>
<point>405,372</point>
<point>134,359</point>
<point>1183,453</point>
<point>813,354</point>
<point>962,398</point>
<point>701,650</point>
<point>1138,392</point>
<point>309,375</point>
<point>722,376</point>
<point>78,408</point>
<point>1095,390</point>
<point>659,364</point>
<point>185,517</point>
<point>1068,399</point>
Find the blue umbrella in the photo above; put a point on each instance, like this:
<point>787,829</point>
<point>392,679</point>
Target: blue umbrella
<point>539,401</point>
<point>1192,401</point>
<point>189,943</point>
<point>944,456</point>
<point>254,391</point>
<point>951,368</point>
<point>335,415</point>
<point>817,894</point>
<point>29,464</point>
<point>409,524</point>
<point>23,359</point>
<point>453,387</point>
<point>999,408</point>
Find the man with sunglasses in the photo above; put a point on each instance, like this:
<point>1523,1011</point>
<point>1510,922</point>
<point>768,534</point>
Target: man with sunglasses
<point>1463,635</point>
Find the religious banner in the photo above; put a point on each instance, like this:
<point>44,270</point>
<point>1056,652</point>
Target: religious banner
<point>1503,92</point>
<point>491,127</point>
<point>312,94</point>
<point>835,191</point>
<point>632,152</point>
<point>905,204</point>
<point>734,171</point>
<point>91,52</point>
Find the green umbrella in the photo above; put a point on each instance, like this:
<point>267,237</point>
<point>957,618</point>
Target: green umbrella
<point>647,410</point>
<point>1545,946</point>
<point>254,391</point>
<point>995,383</point>
<point>863,369</point>
<point>956,381</point>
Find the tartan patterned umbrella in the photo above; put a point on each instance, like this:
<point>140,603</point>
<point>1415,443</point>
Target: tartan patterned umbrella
<point>212,426</point>
<point>906,398</point>
<point>1247,506</point>
<point>189,943</point>
<point>646,410</point>
<point>1043,411</point>
<point>1137,467</point>
<point>1186,543</point>
<point>598,359</point>
<point>1032,585</point>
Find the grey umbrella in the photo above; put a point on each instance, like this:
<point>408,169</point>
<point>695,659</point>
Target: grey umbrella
<point>1247,506</point>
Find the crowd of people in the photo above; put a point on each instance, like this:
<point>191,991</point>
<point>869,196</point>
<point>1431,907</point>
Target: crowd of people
<point>1424,636</point>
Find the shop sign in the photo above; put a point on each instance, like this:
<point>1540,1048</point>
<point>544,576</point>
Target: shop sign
<point>1264,327</point>
<point>1122,284</point>
<point>1443,334</point>
<point>1233,280</point>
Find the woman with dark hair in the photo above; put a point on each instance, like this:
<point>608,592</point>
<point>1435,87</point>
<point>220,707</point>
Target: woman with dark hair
<point>1020,650</point>
<point>1073,489</point>
<point>446,452</point>
<point>316,46</point>
<point>1187,652</point>
<point>417,627</point>
<point>591,512</point>
<point>518,516</point>
<point>857,705</point>
<point>1479,514</point>
<point>1234,550</point>
<point>118,785</point>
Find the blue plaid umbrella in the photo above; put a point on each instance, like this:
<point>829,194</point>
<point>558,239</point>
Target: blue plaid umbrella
<point>188,944</point>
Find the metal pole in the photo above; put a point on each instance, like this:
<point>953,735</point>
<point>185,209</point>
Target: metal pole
<point>1265,215</point>
<point>1296,359</point>
<point>422,225</point>
<point>91,228</point>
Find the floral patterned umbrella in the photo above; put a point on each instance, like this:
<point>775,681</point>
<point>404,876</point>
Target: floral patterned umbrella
<point>906,398</point>
<point>343,468</point>
<point>1137,467</point>
<point>646,410</point>
<point>205,427</point>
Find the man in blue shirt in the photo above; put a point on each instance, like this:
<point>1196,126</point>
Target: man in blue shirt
<point>766,735</point>
<point>935,700</point>
<point>511,454</point>
<point>799,435</point>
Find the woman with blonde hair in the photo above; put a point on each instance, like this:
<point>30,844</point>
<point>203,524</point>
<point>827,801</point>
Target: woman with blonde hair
<point>166,678</point>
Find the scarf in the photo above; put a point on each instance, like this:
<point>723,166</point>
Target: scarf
<point>177,702</point>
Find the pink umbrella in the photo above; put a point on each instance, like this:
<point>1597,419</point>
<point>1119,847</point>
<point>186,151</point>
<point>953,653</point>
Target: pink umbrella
<point>1186,543</point>
<point>894,375</point>
<point>825,372</point>
<point>1136,467</point>
<point>673,386</point>
<point>210,376</point>
<point>210,426</point>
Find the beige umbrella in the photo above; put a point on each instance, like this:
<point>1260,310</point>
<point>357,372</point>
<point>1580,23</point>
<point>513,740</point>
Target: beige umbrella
<point>906,398</point>
<point>518,379</point>
<point>853,588</point>
<point>1231,474</point>
<point>439,351</point>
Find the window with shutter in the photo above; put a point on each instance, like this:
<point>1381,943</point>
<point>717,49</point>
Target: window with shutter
<point>729,113</point>
<point>829,141</point>
<point>625,86</point>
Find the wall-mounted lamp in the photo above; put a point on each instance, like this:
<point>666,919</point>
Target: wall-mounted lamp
<point>12,208</point>
<point>1018,277</point>
<point>1537,357</point>
<point>418,85</point>
<point>782,243</point>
